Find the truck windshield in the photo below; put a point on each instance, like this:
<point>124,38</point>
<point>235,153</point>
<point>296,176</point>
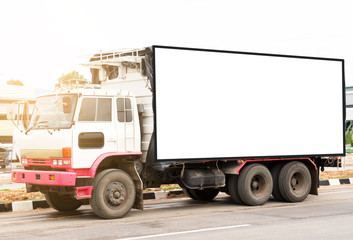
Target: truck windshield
<point>55,111</point>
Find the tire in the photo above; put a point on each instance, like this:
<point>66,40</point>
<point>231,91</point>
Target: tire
<point>188,193</point>
<point>294,182</point>
<point>233,189</point>
<point>275,175</point>
<point>255,184</point>
<point>113,194</point>
<point>206,194</point>
<point>62,203</point>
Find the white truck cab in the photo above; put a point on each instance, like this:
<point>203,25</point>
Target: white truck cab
<point>81,124</point>
<point>73,135</point>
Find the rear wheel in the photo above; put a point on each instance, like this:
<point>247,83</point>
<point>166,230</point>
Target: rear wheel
<point>62,203</point>
<point>113,194</point>
<point>255,184</point>
<point>206,194</point>
<point>294,182</point>
<point>275,174</point>
<point>233,189</point>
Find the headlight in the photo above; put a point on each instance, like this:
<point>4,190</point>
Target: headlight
<point>24,161</point>
<point>67,162</point>
<point>55,162</point>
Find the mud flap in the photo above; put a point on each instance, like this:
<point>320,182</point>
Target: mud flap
<point>314,179</point>
<point>131,169</point>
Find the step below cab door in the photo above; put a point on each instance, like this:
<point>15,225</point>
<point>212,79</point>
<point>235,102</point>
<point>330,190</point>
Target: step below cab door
<point>94,132</point>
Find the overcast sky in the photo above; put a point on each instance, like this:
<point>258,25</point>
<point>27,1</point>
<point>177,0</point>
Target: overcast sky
<point>40,40</point>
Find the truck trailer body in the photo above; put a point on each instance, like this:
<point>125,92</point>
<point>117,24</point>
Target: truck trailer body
<point>248,124</point>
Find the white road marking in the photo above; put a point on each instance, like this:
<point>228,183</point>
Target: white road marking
<point>185,232</point>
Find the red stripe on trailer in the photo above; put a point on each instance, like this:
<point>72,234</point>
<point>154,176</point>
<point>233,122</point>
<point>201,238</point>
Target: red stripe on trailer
<point>273,159</point>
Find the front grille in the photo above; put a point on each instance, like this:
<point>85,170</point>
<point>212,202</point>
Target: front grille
<point>44,168</point>
<point>41,162</point>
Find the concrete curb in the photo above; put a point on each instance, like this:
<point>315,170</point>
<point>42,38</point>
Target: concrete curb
<point>335,182</point>
<point>30,205</point>
<point>23,205</point>
<point>5,176</point>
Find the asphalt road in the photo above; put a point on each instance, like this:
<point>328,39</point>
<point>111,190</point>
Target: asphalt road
<point>327,216</point>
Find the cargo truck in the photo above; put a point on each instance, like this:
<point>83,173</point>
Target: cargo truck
<point>251,125</point>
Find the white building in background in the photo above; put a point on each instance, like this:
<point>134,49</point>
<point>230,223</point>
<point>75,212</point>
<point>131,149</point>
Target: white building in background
<point>10,94</point>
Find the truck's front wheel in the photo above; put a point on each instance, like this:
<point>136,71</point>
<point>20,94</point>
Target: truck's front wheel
<point>113,194</point>
<point>62,203</point>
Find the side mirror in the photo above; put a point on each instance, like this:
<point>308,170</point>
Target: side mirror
<point>67,105</point>
<point>25,115</point>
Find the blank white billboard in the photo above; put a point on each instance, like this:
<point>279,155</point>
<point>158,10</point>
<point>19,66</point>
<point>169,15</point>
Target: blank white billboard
<point>214,104</point>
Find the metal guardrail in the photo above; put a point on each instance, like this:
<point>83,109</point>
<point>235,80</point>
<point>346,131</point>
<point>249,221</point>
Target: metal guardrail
<point>113,55</point>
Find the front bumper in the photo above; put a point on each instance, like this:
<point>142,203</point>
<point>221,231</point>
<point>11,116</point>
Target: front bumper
<point>51,178</point>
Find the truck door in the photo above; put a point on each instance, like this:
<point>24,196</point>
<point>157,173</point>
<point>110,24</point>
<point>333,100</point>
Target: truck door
<point>94,132</point>
<point>125,125</point>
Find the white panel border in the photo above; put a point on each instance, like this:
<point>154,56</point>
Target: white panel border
<point>215,105</point>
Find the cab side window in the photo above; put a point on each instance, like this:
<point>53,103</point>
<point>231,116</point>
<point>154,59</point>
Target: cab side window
<point>96,110</point>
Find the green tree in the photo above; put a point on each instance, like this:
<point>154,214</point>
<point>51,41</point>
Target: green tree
<point>71,80</point>
<point>349,135</point>
<point>14,82</point>
<point>72,77</point>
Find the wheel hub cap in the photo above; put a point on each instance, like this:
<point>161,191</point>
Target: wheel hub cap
<point>115,193</point>
<point>255,186</point>
<point>294,182</point>
<point>297,182</point>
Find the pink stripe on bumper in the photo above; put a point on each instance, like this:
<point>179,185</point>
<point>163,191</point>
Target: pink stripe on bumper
<point>43,177</point>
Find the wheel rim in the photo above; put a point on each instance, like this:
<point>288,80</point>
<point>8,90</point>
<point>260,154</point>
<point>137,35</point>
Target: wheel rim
<point>115,194</point>
<point>297,182</point>
<point>258,185</point>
